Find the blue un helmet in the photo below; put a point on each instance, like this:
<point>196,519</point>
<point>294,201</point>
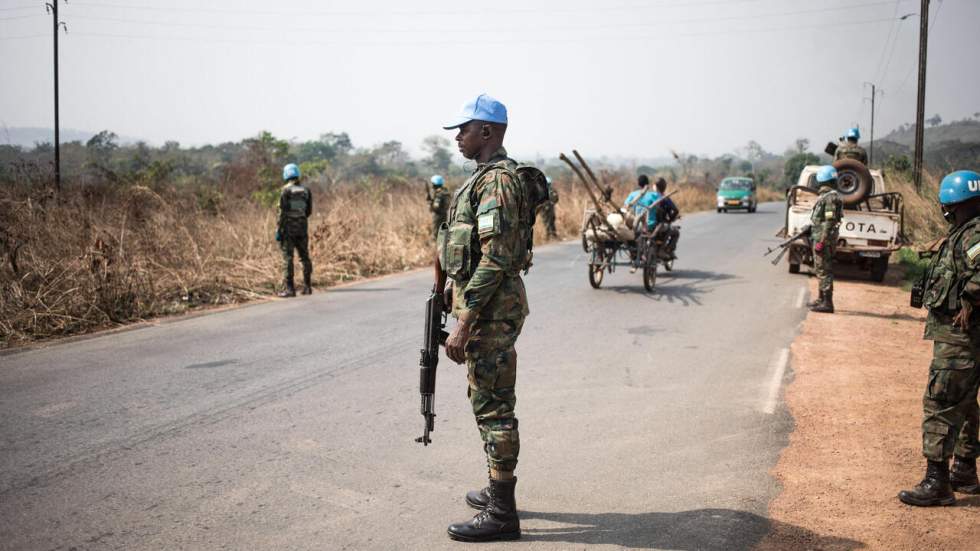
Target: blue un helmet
<point>826,174</point>
<point>290,172</point>
<point>437,180</point>
<point>853,134</point>
<point>959,186</point>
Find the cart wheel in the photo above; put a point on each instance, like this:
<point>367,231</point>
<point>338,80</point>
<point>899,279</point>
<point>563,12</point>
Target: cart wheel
<point>595,275</point>
<point>650,277</point>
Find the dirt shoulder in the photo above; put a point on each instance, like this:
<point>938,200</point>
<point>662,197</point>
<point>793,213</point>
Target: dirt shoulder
<point>856,403</point>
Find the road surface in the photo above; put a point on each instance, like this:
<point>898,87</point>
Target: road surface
<point>647,420</point>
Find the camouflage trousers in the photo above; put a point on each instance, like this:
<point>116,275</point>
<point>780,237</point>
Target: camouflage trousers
<point>437,220</point>
<point>823,268</point>
<point>951,417</point>
<point>491,363</point>
<point>547,212</point>
<point>299,244</point>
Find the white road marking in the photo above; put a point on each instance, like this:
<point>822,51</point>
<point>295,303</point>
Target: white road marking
<point>777,368</point>
<point>801,298</point>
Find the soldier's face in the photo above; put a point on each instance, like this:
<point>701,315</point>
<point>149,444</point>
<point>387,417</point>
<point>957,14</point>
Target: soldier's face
<point>470,138</point>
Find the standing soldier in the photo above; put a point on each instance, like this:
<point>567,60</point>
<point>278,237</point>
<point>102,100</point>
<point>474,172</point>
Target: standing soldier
<point>849,148</point>
<point>950,290</point>
<point>547,210</point>
<point>295,206</point>
<point>438,203</point>
<point>824,223</point>
<point>483,250</point>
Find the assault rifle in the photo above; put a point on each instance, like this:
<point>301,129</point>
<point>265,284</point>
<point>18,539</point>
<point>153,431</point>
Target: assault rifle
<point>435,334</point>
<point>784,246</point>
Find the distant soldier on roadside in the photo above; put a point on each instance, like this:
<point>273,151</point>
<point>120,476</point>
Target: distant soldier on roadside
<point>438,203</point>
<point>824,226</point>
<point>950,289</point>
<point>295,207</point>
<point>848,148</point>
<point>547,210</point>
<point>487,238</point>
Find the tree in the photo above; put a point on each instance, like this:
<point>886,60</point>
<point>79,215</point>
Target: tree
<point>439,154</point>
<point>794,166</point>
<point>390,154</point>
<point>802,144</point>
<point>935,120</point>
<point>754,151</point>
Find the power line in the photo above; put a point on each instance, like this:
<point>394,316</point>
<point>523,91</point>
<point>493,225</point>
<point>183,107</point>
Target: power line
<point>891,31</point>
<point>935,17</point>
<point>20,8</point>
<point>22,17</point>
<point>490,30</point>
<point>661,37</point>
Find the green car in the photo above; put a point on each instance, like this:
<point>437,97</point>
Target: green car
<point>735,193</point>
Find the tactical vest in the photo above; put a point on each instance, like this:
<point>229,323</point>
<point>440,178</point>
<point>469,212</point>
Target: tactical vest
<point>295,202</point>
<point>459,238</point>
<point>828,208</point>
<point>942,282</point>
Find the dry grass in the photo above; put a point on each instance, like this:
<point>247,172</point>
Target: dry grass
<point>923,219</point>
<point>99,256</point>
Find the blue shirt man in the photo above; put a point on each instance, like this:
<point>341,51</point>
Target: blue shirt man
<point>640,200</point>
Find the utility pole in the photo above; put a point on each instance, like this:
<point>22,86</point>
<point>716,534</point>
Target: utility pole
<point>920,113</point>
<point>52,8</point>
<point>874,95</point>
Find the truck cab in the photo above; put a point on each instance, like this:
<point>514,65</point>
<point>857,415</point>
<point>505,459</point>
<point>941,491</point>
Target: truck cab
<point>871,230</point>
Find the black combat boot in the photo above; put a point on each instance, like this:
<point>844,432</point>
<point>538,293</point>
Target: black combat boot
<point>497,521</point>
<point>825,306</point>
<point>814,303</point>
<point>933,490</point>
<point>478,499</point>
<point>307,287</point>
<point>963,475</point>
<point>289,289</point>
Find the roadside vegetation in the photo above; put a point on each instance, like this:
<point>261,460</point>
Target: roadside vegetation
<point>138,231</point>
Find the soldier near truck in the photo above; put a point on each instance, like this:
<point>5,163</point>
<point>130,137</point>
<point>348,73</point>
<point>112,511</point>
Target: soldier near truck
<point>848,147</point>
<point>950,289</point>
<point>824,229</point>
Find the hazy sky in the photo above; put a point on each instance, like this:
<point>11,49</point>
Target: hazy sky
<point>618,78</point>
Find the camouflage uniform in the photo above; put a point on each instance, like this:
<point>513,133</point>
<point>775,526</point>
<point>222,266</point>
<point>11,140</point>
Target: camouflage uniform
<point>547,212</point>
<point>295,207</point>
<point>824,223</point>
<point>848,150</point>
<point>950,421</point>
<point>483,250</point>
<point>438,205</point>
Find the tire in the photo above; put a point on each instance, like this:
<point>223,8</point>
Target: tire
<point>595,275</point>
<point>719,211</point>
<point>854,181</point>
<point>650,277</point>
<point>879,267</point>
<point>794,268</point>
<point>751,210</point>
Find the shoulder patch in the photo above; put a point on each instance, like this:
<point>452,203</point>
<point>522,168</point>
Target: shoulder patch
<point>973,252</point>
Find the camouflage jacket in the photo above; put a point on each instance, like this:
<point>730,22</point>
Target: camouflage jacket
<point>552,194</point>
<point>440,201</point>
<point>295,206</point>
<point>483,248</point>
<point>952,277</point>
<point>848,150</point>
<point>826,216</point>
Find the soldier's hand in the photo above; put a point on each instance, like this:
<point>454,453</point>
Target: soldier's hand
<point>818,246</point>
<point>447,298</point>
<point>456,343</point>
<point>962,319</point>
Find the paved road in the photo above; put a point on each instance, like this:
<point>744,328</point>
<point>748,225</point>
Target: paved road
<point>647,420</point>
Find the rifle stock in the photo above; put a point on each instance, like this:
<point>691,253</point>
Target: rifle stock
<point>435,335</point>
<point>784,246</point>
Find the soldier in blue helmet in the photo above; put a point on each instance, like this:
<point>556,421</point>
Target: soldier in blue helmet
<point>950,289</point>
<point>295,207</point>
<point>438,203</point>
<point>849,148</point>
<point>824,226</point>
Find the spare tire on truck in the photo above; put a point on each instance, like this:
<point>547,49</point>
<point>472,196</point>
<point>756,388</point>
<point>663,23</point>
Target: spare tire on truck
<point>854,181</point>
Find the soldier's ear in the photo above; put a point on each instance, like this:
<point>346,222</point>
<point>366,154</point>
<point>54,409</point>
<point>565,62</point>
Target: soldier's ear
<point>486,132</point>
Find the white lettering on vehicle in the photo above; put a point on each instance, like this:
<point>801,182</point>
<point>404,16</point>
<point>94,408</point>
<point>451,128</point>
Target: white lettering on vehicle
<point>863,227</point>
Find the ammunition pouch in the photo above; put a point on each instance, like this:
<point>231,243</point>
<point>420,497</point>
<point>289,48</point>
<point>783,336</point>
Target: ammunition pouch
<point>456,253</point>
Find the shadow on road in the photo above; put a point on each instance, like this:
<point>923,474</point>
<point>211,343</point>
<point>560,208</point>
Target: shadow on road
<point>694,284</point>
<point>702,529</point>
<point>896,316</point>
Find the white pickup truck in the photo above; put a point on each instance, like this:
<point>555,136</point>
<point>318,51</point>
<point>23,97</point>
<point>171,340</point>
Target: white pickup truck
<point>871,230</point>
